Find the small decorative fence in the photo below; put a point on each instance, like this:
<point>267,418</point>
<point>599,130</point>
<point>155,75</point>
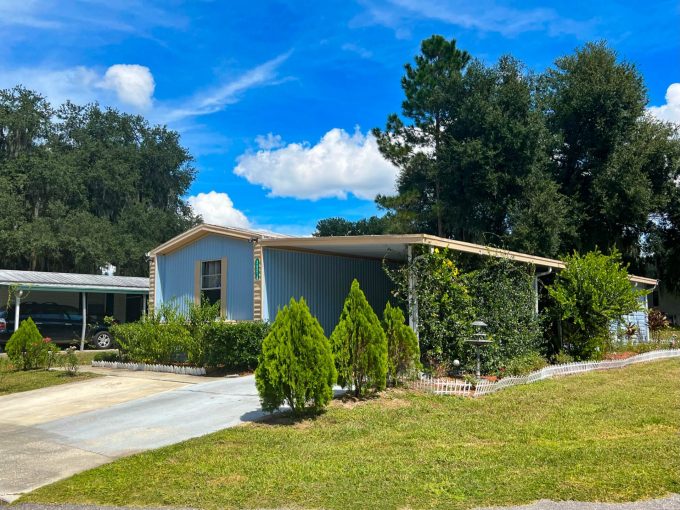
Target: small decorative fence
<point>150,367</point>
<point>461,388</point>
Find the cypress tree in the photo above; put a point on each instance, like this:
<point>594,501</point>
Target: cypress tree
<point>296,364</point>
<point>26,348</point>
<point>403,352</point>
<point>359,345</point>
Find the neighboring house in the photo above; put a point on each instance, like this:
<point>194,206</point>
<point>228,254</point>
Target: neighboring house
<point>64,302</point>
<point>254,274</point>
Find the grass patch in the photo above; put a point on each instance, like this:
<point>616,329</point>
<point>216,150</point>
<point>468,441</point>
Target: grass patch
<point>602,436</point>
<point>86,357</point>
<point>15,381</point>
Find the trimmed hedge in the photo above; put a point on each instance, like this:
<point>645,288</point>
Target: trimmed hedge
<point>236,346</point>
<point>202,340</point>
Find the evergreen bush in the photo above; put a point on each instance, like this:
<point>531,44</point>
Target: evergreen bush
<point>359,345</point>
<point>524,364</point>
<point>296,364</point>
<point>403,352</point>
<point>26,347</point>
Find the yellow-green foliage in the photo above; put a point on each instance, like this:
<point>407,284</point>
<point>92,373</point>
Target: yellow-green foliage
<point>26,348</point>
<point>403,352</point>
<point>359,345</point>
<point>296,364</point>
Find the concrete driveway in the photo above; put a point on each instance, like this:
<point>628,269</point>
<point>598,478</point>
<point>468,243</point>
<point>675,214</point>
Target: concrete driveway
<point>53,433</point>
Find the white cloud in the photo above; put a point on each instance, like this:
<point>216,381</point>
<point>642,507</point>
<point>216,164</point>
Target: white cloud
<point>133,84</point>
<point>671,110</point>
<point>339,164</point>
<point>131,87</point>
<point>79,84</point>
<point>215,99</point>
<point>269,141</point>
<point>355,48</point>
<point>218,209</point>
<point>483,15</point>
<point>120,85</point>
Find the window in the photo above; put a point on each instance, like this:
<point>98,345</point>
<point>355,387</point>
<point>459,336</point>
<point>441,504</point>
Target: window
<point>211,280</point>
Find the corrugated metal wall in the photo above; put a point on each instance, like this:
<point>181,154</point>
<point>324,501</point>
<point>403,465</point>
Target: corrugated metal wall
<point>638,318</point>
<point>323,280</point>
<point>175,274</point>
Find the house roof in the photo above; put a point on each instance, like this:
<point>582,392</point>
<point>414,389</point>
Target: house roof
<point>392,247</point>
<point>205,229</point>
<point>74,282</point>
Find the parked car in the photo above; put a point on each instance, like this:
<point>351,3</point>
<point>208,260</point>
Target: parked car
<point>62,323</point>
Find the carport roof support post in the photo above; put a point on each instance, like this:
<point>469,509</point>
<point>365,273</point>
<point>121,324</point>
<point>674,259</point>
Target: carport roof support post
<point>412,297</point>
<point>84,330</point>
<point>17,308</point>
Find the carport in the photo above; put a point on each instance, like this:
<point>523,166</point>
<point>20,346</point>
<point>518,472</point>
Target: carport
<point>123,297</point>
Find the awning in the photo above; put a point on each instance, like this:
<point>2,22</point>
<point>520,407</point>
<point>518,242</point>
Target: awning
<point>73,282</point>
<point>395,247</point>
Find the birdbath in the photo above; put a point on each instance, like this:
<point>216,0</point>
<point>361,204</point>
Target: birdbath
<point>478,339</point>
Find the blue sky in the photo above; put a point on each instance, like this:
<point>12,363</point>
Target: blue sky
<point>275,99</point>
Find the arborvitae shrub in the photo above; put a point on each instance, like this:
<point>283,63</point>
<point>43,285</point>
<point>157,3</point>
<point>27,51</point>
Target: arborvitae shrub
<point>359,345</point>
<point>296,365</point>
<point>26,347</point>
<point>403,353</point>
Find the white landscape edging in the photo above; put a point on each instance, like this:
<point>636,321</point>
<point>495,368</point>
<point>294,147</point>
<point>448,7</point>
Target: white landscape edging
<point>484,387</point>
<point>171,369</point>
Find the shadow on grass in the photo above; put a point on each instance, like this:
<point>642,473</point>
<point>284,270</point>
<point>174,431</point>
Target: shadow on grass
<point>286,417</point>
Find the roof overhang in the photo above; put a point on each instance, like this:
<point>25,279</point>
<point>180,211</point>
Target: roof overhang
<point>395,248</point>
<point>76,288</point>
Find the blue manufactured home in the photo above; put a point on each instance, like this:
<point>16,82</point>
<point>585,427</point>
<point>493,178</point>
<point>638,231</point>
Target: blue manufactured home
<point>254,274</point>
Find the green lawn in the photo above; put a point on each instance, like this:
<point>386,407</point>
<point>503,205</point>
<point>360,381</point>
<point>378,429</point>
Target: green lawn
<point>606,436</point>
<point>15,381</point>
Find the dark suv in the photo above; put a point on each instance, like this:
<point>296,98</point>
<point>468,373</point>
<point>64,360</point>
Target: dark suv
<point>62,323</point>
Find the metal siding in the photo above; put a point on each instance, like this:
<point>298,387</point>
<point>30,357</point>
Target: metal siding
<point>323,280</point>
<point>638,318</point>
<point>175,274</point>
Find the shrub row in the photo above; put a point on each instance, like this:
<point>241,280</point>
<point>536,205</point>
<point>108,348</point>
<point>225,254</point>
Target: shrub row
<point>299,365</point>
<point>167,337</point>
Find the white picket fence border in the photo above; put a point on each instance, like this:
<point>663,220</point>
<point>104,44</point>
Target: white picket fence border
<point>461,388</point>
<point>150,367</point>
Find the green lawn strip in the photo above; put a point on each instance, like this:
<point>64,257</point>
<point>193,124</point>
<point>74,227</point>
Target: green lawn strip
<point>16,381</point>
<point>603,436</point>
<point>86,357</point>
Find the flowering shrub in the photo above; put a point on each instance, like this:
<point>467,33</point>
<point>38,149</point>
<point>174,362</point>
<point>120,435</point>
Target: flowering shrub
<point>499,292</point>
<point>445,308</point>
